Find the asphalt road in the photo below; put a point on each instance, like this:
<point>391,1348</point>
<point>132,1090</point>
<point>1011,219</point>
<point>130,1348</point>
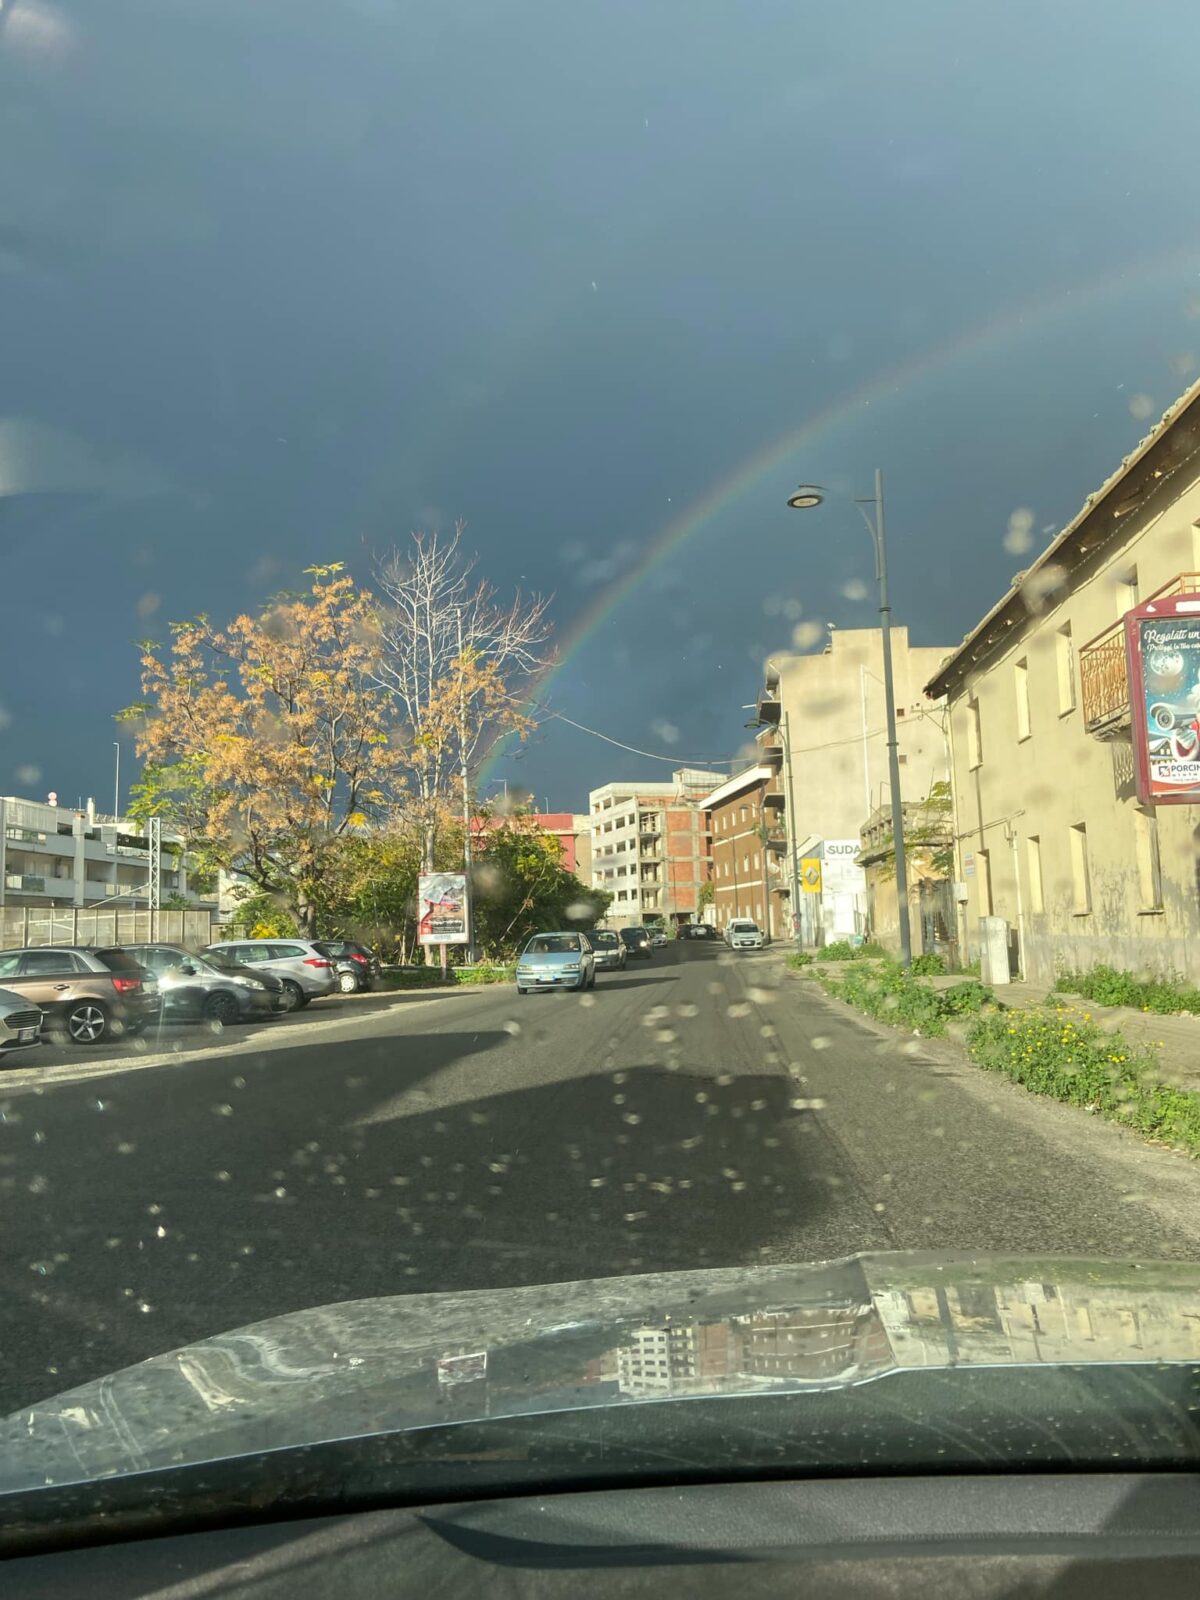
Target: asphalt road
<point>706,1110</point>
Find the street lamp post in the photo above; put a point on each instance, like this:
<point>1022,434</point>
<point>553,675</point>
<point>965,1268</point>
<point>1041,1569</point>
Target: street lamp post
<point>806,497</point>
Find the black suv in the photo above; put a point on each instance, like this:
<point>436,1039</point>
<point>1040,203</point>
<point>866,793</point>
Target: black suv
<point>357,966</point>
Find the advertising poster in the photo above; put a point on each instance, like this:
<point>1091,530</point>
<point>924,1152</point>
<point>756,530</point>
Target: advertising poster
<point>1162,649</point>
<point>810,874</point>
<point>442,908</point>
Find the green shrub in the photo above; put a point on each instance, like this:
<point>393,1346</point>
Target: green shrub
<point>800,958</point>
<point>872,952</point>
<point>892,995</point>
<point>1109,986</point>
<point>928,966</point>
<point>839,950</point>
<point>431,977</point>
<point>1060,1052</point>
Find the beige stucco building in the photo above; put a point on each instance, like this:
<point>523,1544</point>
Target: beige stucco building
<point>1050,834</point>
<point>828,716</point>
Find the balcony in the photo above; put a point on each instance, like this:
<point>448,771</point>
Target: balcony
<point>1103,675</point>
<point>24,883</point>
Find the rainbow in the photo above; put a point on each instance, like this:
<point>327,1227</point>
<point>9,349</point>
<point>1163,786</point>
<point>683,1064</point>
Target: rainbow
<point>781,457</point>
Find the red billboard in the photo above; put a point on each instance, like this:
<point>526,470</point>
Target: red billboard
<point>1162,654</point>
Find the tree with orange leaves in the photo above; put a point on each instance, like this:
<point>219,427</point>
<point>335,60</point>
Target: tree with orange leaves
<point>270,740</point>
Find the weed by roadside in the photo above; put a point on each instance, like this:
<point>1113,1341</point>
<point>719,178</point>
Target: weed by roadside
<point>890,994</point>
<point>1110,986</point>
<point>1062,1053</point>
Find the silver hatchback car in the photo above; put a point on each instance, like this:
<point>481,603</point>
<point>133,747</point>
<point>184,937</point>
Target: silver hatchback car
<point>305,972</point>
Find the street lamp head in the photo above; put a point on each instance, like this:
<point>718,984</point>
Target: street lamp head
<point>806,496</point>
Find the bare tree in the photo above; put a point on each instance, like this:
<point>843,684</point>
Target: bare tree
<point>453,656</point>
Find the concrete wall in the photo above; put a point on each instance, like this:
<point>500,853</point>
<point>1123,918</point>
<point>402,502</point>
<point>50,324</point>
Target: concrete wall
<point>1041,782</point>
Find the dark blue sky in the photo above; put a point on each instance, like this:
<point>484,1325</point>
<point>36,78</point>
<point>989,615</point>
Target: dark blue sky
<point>281,281</point>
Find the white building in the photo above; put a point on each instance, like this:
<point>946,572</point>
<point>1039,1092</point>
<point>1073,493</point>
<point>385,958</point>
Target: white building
<point>52,856</point>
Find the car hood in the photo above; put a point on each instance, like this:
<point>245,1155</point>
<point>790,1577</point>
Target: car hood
<point>549,958</point>
<point>410,1362</point>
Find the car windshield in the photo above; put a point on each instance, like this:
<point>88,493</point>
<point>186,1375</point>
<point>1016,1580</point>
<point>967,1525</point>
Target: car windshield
<point>628,575</point>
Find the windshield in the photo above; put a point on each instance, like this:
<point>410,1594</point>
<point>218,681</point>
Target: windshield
<point>722,476</point>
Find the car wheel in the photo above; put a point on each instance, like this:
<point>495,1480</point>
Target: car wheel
<point>347,983</point>
<point>221,1007</point>
<point>86,1022</point>
<point>293,995</point>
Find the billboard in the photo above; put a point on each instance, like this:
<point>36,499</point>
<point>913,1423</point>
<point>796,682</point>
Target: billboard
<point>1162,655</point>
<point>442,908</point>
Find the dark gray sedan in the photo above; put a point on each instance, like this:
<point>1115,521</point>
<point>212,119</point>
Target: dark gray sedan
<point>208,987</point>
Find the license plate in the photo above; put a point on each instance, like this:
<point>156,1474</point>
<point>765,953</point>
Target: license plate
<point>27,1035</point>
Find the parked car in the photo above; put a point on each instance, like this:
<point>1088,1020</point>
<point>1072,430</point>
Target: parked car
<point>209,986</point>
<point>356,965</point>
<point>305,972</point>
<point>556,961</point>
<point>88,995</point>
<point>743,933</point>
<point>20,1023</point>
<point>637,942</point>
<point>606,946</point>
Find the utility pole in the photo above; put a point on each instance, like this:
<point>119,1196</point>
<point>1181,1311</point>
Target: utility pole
<point>793,846</point>
<point>117,782</point>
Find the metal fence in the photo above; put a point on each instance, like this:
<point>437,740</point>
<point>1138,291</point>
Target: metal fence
<point>23,925</point>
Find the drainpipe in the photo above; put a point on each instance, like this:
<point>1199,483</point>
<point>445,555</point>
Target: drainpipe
<point>960,908</point>
<point>1016,861</point>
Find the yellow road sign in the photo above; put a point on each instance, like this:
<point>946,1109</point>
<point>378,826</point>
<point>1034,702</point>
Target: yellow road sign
<point>810,874</point>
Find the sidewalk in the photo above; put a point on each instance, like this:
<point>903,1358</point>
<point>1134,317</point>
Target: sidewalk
<point>1177,1038</point>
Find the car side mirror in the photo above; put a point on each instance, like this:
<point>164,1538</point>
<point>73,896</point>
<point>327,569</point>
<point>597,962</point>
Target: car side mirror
<point>188,967</point>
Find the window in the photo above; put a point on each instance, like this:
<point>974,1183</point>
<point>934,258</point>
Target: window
<point>983,872</point>
<point>1021,685</point>
<point>1064,661</point>
<point>1081,878</point>
<point>974,736</point>
<point>37,963</point>
<point>1127,591</point>
<point>1033,860</point>
<point>1145,822</point>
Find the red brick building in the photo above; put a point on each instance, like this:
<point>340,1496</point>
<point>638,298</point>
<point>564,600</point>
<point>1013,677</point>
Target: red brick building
<point>745,850</point>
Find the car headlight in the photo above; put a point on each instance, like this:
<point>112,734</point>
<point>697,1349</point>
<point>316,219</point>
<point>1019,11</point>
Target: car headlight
<point>250,983</point>
<point>571,966</point>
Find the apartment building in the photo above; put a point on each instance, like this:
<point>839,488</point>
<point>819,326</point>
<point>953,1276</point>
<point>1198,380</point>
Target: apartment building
<point>1051,835</point>
<point>52,856</point>
<point>650,847</point>
<point>748,851</point>
<point>828,721</point>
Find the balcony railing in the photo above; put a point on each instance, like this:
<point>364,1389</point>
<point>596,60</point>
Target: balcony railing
<point>1103,674</point>
<point>24,883</point>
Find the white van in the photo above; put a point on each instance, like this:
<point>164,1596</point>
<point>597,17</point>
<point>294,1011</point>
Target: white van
<point>743,933</point>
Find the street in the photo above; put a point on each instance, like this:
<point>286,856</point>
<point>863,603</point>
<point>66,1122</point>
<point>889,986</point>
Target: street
<point>705,1109</point>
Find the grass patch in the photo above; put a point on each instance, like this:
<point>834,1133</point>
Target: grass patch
<point>799,959</point>
<point>928,966</point>
<point>431,977</point>
<point>892,995</point>
<point>1109,986</point>
<point>1061,1053</point>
